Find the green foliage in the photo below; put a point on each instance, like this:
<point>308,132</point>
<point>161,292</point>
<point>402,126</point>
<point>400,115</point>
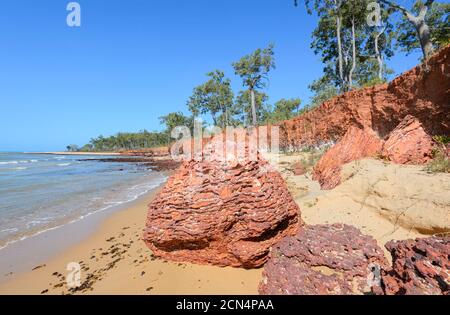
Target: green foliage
<point>126,141</point>
<point>283,110</point>
<point>325,42</point>
<point>442,139</point>
<point>254,68</point>
<point>323,90</point>
<point>439,164</point>
<point>72,148</point>
<point>243,107</point>
<point>214,97</point>
<point>176,119</point>
<point>437,18</point>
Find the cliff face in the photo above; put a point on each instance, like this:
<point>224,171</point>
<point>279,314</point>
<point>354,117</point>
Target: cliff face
<point>422,93</point>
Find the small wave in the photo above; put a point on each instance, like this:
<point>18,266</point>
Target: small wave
<point>26,161</point>
<point>20,168</point>
<point>9,230</point>
<point>9,162</point>
<point>107,205</point>
<point>64,164</point>
<point>59,157</point>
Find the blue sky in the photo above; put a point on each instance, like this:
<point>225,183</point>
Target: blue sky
<point>133,61</point>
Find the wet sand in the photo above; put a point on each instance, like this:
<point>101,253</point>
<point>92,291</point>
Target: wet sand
<point>114,260</point>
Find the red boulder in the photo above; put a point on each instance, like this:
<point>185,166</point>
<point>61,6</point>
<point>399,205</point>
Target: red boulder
<point>408,143</point>
<point>226,214</point>
<point>323,259</point>
<point>420,267</point>
<point>356,144</point>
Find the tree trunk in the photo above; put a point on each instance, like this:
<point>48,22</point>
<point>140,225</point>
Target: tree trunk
<point>379,55</point>
<point>419,23</point>
<point>352,69</point>
<point>338,35</point>
<point>423,30</point>
<point>255,120</point>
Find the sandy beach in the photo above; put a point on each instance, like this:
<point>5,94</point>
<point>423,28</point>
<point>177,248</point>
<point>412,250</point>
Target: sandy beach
<point>115,260</point>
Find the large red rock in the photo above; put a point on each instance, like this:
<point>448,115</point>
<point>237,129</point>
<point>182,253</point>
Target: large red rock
<point>420,267</point>
<point>422,93</point>
<point>356,144</point>
<point>323,259</point>
<point>408,143</point>
<point>226,214</point>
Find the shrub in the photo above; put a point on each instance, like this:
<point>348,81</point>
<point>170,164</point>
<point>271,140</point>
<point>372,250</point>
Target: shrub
<point>439,164</point>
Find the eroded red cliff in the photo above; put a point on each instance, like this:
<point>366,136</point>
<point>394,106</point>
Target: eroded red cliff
<point>422,93</point>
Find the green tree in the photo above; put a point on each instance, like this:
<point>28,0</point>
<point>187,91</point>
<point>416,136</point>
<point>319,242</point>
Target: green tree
<point>323,90</point>
<point>72,148</point>
<point>425,26</point>
<point>215,97</point>
<point>244,107</point>
<point>284,109</point>
<point>345,42</point>
<point>436,22</point>
<point>254,70</point>
<point>176,119</point>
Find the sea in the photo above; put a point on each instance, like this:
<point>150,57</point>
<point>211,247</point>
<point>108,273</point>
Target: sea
<point>40,192</point>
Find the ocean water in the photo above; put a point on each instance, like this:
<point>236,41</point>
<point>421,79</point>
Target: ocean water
<point>41,192</point>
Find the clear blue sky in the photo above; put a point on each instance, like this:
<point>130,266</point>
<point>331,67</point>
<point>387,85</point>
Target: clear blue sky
<point>133,61</point>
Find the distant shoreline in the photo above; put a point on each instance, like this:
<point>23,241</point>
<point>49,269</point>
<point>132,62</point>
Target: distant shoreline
<point>75,153</point>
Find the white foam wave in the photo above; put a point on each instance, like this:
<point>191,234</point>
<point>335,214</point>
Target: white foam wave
<point>9,162</point>
<point>64,164</point>
<point>109,205</point>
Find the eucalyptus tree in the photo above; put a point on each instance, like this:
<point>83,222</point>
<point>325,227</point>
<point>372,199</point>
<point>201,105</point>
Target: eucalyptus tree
<point>284,109</point>
<point>345,42</point>
<point>417,32</point>
<point>214,97</point>
<point>246,104</point>
<point>254,70</point>
<point>176,119</point>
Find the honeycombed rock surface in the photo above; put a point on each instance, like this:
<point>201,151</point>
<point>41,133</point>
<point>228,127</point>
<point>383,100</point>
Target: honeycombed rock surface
<point>323,259</point>
<point>226,213</point>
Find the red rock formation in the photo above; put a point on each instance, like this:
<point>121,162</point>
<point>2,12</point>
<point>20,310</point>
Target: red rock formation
<point>323,259</point>
<point>299,169</point>
<point>226,214</point>
<point>408,143</point>
<point>420,267</point>
<point>150,152</point>
<point>356,144</point>
<point>421,93</point>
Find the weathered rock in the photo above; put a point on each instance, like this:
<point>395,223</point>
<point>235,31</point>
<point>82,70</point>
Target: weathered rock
<point>408,143</point>
<point>151,152</point>
<point>421,93</point>
<point>299,169</point>
<point>323,259</point>
<point>356,144</point>
<point>226,214</point>
<point>420,267</point>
